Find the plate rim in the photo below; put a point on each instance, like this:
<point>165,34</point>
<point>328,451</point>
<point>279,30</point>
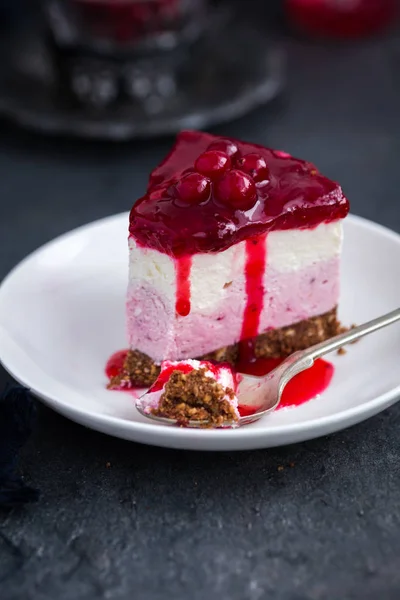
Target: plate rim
<point>257,438</point>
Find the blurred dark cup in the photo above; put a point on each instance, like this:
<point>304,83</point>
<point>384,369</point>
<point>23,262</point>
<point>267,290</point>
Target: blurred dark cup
<point>115,26</point>
<point>137,48</point>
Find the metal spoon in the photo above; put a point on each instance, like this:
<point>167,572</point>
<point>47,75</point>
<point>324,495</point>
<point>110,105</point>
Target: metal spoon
<point>265,392</point>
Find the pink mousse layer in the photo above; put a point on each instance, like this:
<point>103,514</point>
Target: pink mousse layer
<point>289,298</point>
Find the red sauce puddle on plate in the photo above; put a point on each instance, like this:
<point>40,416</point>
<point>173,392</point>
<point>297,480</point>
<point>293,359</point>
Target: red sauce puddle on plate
<point>115,363</point>
<point>300,389</point>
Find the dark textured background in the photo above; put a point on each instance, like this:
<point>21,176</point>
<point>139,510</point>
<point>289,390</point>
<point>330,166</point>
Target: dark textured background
<point>119,520</point>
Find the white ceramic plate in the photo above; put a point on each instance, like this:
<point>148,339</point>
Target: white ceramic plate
<point>62,316</point>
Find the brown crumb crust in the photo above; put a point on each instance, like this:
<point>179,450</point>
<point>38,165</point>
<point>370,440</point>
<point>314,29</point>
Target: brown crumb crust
<point>228,354</point>
<point>139,369</point>
<point>194,396</point>
<point>282,342</point>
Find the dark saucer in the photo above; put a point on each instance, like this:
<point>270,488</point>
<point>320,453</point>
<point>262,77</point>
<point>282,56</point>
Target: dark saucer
<point>233,68</point>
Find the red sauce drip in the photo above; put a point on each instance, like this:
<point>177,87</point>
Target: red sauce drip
<point>182,267</point>
<point>296,195</point>
<point>115,363</point>
<point>300,389</point>
<point>254,273</point>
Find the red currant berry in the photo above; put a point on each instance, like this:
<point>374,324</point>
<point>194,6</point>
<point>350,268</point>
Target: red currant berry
<point>226,146</point>
<point>255,166</point>
<point>193,188</point>
<point>213,163</point>
<point>237,189</point>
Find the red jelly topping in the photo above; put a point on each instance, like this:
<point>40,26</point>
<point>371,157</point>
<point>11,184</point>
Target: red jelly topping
<point>209,219</point>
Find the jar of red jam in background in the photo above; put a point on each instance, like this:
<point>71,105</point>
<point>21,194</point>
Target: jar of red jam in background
<point>341,18</point>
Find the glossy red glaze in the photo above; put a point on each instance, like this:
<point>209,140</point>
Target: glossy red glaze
<point>296,195</point>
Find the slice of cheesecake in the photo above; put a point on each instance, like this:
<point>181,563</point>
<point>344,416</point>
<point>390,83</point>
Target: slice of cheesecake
<point>193,390</point>
<point>232,243</point>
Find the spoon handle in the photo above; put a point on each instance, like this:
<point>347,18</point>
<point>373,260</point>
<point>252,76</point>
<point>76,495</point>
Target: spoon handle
<point>352,335</point>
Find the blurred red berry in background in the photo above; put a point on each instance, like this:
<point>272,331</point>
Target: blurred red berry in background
<point>340,18</point>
